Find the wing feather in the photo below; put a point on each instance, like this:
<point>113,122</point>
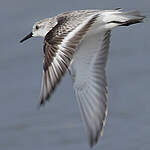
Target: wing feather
<point>89,79</point>
<point>59,47</point>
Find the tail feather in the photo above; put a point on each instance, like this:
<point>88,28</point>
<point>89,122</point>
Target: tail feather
<point>130,22</point>
<point>133,13</point>
<point>119,18</point>
<point>133,18</point>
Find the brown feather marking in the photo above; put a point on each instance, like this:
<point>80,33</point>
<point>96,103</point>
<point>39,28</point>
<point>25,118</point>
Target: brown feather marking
<point>62,56</point>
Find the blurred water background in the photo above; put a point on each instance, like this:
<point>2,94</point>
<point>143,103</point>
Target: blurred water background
<point>58,126</point>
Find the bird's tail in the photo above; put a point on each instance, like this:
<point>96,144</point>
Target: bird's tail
<point>119,18</point>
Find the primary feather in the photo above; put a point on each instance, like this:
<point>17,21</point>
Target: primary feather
<point>78,41</point>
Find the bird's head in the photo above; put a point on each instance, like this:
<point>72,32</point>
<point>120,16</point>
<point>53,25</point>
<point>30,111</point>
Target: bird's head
<point>40,29</point>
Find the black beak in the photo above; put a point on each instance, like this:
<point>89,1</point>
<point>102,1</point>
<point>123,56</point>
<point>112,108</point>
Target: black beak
<point>27,37</point>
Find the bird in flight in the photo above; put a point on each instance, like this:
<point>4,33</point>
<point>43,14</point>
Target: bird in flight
<point>78,41</point>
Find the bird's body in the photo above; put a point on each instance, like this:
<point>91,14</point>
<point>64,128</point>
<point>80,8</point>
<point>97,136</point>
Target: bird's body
<point>78,41</point>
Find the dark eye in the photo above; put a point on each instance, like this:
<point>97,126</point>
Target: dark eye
<point>37,27</point>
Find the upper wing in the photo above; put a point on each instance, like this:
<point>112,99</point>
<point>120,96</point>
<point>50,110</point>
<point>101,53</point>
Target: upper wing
<point>59,46</point>
<point>88,74</point>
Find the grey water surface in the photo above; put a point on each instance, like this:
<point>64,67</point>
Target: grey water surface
<point>58,126</point>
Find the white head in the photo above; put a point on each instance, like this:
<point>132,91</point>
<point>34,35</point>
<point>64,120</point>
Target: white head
<point>40,29</point>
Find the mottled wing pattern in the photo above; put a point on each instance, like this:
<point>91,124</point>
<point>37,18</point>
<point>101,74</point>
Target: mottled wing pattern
<point>88,73</point>
<point>59,46</point>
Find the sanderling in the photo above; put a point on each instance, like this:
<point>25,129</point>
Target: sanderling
<point>78,41</point>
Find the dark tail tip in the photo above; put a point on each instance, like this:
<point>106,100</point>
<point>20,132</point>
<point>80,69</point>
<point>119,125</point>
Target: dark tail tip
<point>130,22</point>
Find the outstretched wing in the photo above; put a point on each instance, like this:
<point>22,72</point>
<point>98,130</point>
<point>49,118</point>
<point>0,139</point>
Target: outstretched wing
<point>59,46</point>
<point>89,80</point>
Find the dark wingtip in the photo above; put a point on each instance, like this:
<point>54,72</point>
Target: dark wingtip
<point>118,8</point>
<point>43,100</point>
<point>39,105</point>
<point>42,103</point>
<point>92,142</point>
<point>94,139</point>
